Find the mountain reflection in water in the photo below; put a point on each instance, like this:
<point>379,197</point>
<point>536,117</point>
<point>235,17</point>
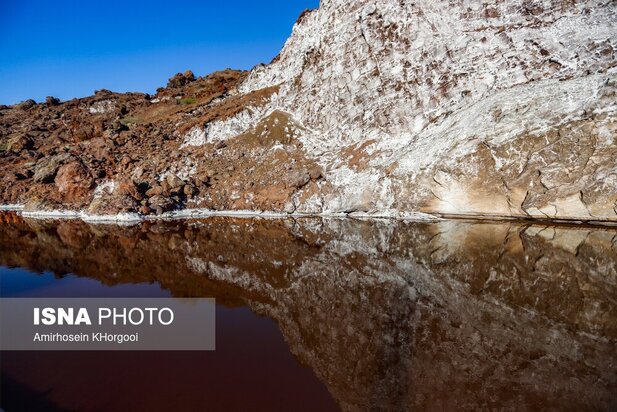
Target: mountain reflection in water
<point>388,315</point>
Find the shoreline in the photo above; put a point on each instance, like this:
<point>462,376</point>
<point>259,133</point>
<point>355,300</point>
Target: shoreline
<point>202,213</point>
<point>185,214</point>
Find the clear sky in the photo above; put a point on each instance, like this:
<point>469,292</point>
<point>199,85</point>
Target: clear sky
<point>69,49</point>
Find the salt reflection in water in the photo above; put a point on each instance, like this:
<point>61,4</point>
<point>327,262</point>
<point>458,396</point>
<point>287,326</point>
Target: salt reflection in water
<point>385,315</point>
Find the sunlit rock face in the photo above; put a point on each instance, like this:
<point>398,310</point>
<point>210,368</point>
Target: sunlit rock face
<point>389,107</point>
<point>456,107</point>
<point>392,316</point>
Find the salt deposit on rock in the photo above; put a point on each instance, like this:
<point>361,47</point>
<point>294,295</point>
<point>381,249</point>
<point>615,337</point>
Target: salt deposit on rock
<point>195,137</point>
<point>104,106</point>
<point>406,108</point>
<point>465,105</point>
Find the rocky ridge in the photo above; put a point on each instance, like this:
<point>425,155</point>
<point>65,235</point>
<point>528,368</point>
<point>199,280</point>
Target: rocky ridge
<point>378,107</point>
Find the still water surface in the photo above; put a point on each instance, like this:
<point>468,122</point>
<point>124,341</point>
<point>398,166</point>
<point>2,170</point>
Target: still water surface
<point>327,314</point>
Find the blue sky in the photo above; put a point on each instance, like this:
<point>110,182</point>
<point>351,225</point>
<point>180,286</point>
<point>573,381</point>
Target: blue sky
<point>71,48</point>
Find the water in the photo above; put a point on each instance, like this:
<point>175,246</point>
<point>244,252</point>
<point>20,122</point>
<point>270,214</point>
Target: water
<point>330,314</point>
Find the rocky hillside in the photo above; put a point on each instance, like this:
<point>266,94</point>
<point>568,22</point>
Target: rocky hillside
<point>379,107</point>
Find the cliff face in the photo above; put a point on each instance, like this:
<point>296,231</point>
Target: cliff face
<point>457,107</point>
<point>374,106</point>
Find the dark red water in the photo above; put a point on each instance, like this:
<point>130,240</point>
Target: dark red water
<point>251,369</point>
<point>327,314</point>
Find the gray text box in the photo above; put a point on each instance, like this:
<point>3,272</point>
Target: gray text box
<point>140,324</point>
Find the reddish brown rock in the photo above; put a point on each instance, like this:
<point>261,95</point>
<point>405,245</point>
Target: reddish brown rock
<point>26,105</point>
<point>127,187</point>
<point>145,210</point>
<point>298,179</point>
<point>315,172</point>
<point>46,168</point>
<point>113,205</point>
<point>174,181</point>
<point>154,191</point>
<point>189,190</point>
<point>19,143</point>
<point>365,122</point>
<point>160,204</point>
<point>181,79</point>
<point>73,180</point>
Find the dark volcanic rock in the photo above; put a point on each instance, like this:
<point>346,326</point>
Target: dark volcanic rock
<point>181,79</point>
<point>52,101</point>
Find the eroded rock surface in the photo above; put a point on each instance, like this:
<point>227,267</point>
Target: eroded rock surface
<point>390,316</point>
<point>397,107</point>
<point>504,109</point>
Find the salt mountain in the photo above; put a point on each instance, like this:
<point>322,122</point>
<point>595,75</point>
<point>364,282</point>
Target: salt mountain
<point>380,107</point>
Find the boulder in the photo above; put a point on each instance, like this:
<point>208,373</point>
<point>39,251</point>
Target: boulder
<point>189,190</point>
<point>19,143</point>
<point>73,180</point>
<point>315,172</point>
<point>174,181</point>
<point>161,204</point>
<point>112,205</point>
<point>46,168</point>
<point>154,191</point>
<point>298,178</point>
<point>126,160</point>
<point>26,105</point>
<point>145,210</point>
<point>52,101</point>
<point>181,79</point>
<point>202,178</point>
<point>127,187</point>
<point>38,204</point>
